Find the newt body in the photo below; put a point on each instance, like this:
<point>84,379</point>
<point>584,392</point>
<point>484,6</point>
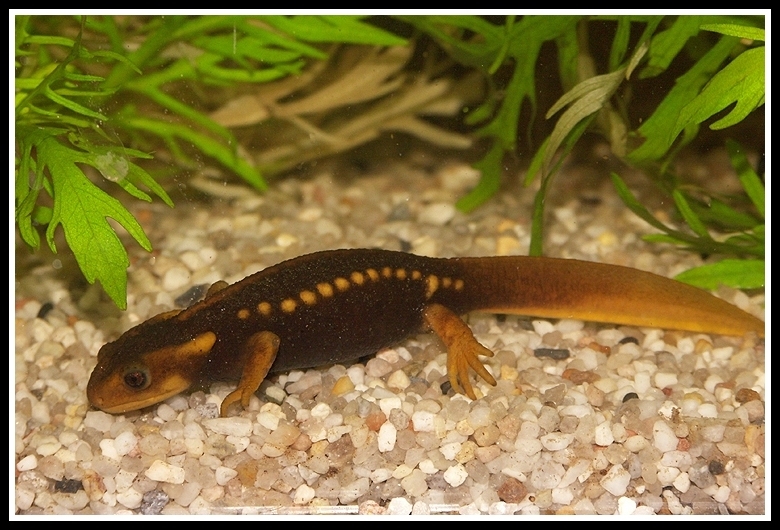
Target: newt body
<point>336,306</point>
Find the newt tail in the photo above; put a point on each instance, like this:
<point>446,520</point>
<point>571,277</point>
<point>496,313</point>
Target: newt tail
<point>596,292</point>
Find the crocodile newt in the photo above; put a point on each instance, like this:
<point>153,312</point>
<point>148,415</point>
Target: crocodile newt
<point>336,306</point>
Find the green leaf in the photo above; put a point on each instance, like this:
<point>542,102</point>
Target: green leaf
<point>721,214</point>
<point>537,223</point>
<point>749,179</point>
<point>504,125</point>
<point>666,45</point>
<point>206,144</point>
<point>689,215</point>
<point>740,274</point>
<point>634,205</point>
<point>115,166</point>
<point>333,28</point>
<point>586,98</point>
<point>657,129</point>
<point>50,40</point>
<point>743,244</point>
<point>741,81</point>
<point>72,105</point>
<point>82,208</point>
<point>489,182</point>
<point>27,191</point>
<point>450,29</point>
<point>736,30</point>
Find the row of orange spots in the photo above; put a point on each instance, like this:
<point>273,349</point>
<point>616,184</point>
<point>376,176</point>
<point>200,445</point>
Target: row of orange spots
<point>326,290</point>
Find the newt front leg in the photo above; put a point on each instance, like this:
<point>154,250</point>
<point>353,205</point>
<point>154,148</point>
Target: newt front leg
<point>262,349</point>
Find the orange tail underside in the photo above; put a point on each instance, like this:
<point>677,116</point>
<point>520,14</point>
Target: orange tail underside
<point>562,288</point>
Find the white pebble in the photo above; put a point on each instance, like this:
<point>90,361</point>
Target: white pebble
<point>635,443</point>
<point>567,325</point>
<point>124,479</point>
<point>644,510</point>
<point>542,327</point>
<point>686,345</point>
<point>402,471</point>
<point>682,482</point>
<point>642,382</point>
<point>714,432</point>
<point>99,420</point>
<point>303,494</point>
<point>722,354</point>
<point>233,426</point>
<point>722,495</point>
<point>556,441</point>
<point>310,214</point>
<point>421,508</point>
<point>399,506</point>
<point>208,255</point>
<point>191,260</point>
<point>711,382</point>
<point>169,410</point>
<point>239,443</point>
<point>108,449</point>
<point>24,498</point>
<point>423,421</point>
<point>437,214</point>
<point>334,433</point>
<point>578,411</point>
<point>450,450</point>
<point>666,474</point>
<point>386,437</point>
<point>665,379</point>
<point>562,496</point>
<point>175,278</point>
<point>580,470</point>
<point>528,447</point>
<point>616,480</point>
<point>381,475</point>
<point>529,430</point>
<point>276,393</point>
<point>680,459</point>
<point>130,498</point>
<point>165,472</point>
<point>357,374</point>
<point>268,420</point>
<point>606,385</point>
<point>427,466</point>
<point>664,438</point>
<point>455,475</point>
<point>547,476</point>
<point>708,410</point>
<point>626,506</point>
<point>321,411</point>
<point>354,490</point>
<point>272,451</point>
<point>27,463</point>
<point>285,239</point>
<point>398,380</point>
<point>386,405</point>
<point>125,442</point>
<point>603,434</point>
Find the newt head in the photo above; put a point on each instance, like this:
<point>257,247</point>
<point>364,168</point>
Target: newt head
<point>146,365</point>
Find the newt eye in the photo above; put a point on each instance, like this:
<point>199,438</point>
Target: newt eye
<point>137,378</point>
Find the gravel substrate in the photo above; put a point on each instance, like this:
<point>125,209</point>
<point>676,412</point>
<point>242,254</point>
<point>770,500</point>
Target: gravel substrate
<point>585,419</point>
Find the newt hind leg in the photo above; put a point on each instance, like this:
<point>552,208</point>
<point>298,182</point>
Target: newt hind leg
<point>463,350</point>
